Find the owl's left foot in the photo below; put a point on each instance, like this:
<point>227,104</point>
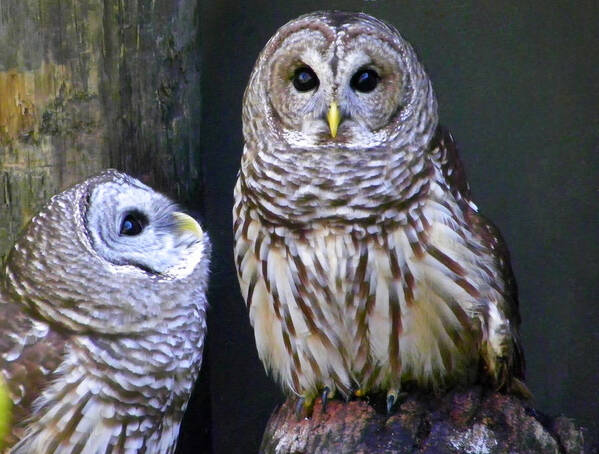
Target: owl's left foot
<point>326,393</point>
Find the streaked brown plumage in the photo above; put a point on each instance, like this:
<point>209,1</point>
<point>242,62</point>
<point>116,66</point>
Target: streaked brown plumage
<point>102,314</point>
<point>363,262</point>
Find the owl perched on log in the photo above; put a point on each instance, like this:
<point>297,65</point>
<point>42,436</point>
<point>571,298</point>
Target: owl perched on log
<point>102,315</point>
<point>363,262</point>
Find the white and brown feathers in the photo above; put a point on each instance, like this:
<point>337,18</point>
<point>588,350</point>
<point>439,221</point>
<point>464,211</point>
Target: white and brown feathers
<point>362,260</point>
<point>102,314</point>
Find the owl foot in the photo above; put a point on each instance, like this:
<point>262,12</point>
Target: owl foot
<point>304,406</point>
<point>393,396</point>
<point>299,408</point>
<point>326,394</point>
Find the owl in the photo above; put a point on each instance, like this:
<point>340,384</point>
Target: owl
<point>364,264</point>
<point>103,316</point>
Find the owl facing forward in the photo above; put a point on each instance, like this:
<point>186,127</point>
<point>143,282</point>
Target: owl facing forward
<point>102,314</point>
<point>364,264</point>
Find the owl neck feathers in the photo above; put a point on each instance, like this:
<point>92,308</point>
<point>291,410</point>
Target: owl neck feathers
<point>295,188</point>
<point>53,275</point>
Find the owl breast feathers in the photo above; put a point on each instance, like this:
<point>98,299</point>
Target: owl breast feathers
<point>102,314</point>
<point>364,265</point>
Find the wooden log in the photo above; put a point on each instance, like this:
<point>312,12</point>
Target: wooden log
<point>463,421</point>
<point>90,84</point>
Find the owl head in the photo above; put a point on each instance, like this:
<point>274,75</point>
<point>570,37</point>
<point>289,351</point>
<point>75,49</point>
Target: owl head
<point>109,255</point>
<point>336,79</point>
<point>338,117</point>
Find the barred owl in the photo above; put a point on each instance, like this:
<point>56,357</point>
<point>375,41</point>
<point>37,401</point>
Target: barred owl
<point>363,262</point>
<point>102,314</point>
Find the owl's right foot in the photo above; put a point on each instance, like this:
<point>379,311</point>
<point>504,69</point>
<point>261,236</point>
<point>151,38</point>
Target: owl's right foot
<point>393,396</point>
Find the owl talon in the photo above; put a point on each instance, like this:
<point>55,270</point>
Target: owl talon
<point>299,407</point>
<point>390,403</point>
<point>325,398</point>
<point>392,396</point>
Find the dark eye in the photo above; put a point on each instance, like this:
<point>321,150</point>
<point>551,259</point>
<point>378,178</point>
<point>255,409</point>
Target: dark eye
<point>133,224</point>
<point>365,80</point>
<point>304,79</point>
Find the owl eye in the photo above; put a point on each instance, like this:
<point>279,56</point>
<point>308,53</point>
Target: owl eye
<point>304,79</point>
<point>133,224</point>
<point>365,80</point>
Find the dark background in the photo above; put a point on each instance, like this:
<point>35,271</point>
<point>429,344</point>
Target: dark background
<point>154,88</point>
<point>519,88</point>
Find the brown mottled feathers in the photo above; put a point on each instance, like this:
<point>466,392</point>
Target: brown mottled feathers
<point>363,261</point>
<point>33,356</point>
<point>445,147</point>
<point>102,316</point>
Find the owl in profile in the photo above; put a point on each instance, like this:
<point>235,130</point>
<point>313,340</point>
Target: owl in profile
<point>364,264</point>
<point>102,314</point>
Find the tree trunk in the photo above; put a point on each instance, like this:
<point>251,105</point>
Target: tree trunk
<point>470,421</point>
<point>90,84</point>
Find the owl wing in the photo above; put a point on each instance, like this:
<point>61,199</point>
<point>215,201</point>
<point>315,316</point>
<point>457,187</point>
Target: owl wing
<point>492,238</point>
<point>30,352</point>
<point>445,152</point>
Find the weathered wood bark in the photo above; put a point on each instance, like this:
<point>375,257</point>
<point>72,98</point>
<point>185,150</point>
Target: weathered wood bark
<point>471,421</point>
<point>90,84</point>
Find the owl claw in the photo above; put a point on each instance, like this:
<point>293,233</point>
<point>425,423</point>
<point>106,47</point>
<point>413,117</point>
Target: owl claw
<point>299,407</point>
<point>325,398</point>
<point>393,396</point>
<point>390,402</point>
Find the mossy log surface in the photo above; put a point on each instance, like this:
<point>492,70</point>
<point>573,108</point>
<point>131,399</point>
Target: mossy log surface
<point>90,84</point>
<point>462,421</point>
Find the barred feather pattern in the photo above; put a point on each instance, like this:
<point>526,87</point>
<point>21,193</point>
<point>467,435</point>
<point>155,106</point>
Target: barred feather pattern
<point>99,357</point>
<point>362,260</point>
<point>416,297</point>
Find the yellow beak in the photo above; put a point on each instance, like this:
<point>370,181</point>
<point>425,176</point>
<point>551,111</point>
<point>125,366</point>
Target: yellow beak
<point>334,118</point>
<point>186,223</point>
